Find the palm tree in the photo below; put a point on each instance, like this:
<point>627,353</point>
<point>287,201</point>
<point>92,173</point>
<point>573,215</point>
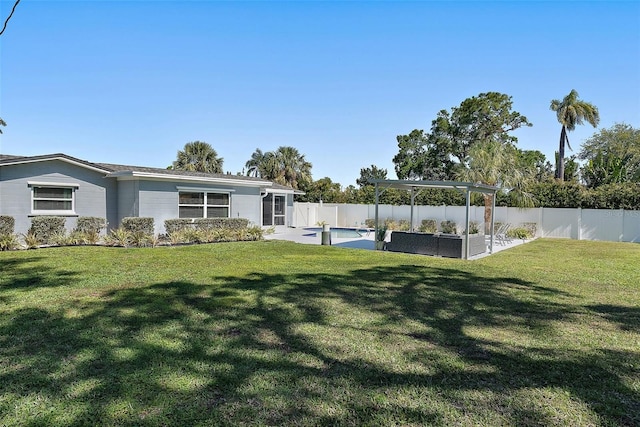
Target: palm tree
<point>198,156</point>
<point>2,123</point>
<point>492,163</point>
<point>571,112</point>
<point>295,169</point>
<point>285,166</point>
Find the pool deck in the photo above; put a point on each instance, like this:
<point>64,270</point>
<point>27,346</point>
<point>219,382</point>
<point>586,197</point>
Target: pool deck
<point>303,236</point>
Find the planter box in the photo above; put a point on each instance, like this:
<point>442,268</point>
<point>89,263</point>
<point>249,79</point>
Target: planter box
<point>453,246</point>
<point>445,245</point>
<point>413,243</point>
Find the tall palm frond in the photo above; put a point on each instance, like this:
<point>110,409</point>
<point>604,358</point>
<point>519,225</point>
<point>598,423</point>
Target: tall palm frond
<point>198,156</point>
<point>571,112</point>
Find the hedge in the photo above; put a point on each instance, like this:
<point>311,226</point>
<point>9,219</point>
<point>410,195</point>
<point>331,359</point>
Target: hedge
<point>138,225</point>
<point>179,224</point>
<point>44,228</point>
<point>7,225</point>
<point>90,224</point>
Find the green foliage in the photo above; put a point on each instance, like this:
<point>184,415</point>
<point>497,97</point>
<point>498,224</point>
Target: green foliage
<point>404,225</point>
<point>323,189</point>
<point>119,237</point>
<point>7,224</point>
<point>209,230</point>
<point>381,232</point>
<point>143,225</point>
<point>486,118</point>
<point>570,112</point>
<point>87,231</point>
<point>367,174</point>
<point>557,194</point>
<point>31,241</point>
<point>221,223</point>
<point>474,228</point>
<point>198,156</point>
<point>612,156</point>
<point>44,228</point>
<point>428,226</point>
<point>519,233</point>
<point>284,166</point>
<point>90,224</point>
<point>448,227</point>
<point>572,195</point>
<point>175,225</point>
<point>613,196</point>
<point>9,242</point>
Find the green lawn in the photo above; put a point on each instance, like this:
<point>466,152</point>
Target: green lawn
<point>275,333</point>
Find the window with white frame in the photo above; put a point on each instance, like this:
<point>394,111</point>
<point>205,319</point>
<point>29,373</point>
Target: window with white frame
<point>203,204</point>
<point>50,199</point>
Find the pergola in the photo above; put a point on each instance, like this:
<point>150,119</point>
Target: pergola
<point>416,187</point>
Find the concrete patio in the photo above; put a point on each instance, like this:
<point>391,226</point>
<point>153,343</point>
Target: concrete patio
<point>310,237</point>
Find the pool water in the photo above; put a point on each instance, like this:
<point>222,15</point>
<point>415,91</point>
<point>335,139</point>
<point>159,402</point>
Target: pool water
<point>336,232</point>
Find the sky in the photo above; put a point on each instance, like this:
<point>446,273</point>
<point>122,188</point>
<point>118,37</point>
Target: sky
<point>131,82</point>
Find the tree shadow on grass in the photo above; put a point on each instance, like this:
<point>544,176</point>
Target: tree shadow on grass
<point>374,347</point>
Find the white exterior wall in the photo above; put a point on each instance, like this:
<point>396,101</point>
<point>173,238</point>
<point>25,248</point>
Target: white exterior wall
<point>580,224</point>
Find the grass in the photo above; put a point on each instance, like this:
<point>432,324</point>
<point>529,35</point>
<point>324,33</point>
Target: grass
<point>275,333</point>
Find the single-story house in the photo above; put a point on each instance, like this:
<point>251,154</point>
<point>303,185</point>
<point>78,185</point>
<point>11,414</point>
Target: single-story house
<point>61,185</point>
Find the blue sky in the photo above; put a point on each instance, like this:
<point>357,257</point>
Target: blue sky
<point>131,82</point>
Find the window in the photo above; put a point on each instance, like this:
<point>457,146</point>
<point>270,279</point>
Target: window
<point>53,199</point>
<point>195,204</point>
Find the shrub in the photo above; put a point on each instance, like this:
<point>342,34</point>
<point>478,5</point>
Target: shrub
<point>448,227</point>
<point>531,227</point>
<point>44,228</point>
<point>428,226</point>
<point>90,224</point>
<point>8,242</point>
<point>519,233</point>
<point>404,225</point>
<point>474,227</point>
<point>118,237</point>
<point>370,223</point>
<point>177,224</point>
<point>7,225</point>
<point>142,225</point>
<point>31,241</point>
<point>226,223</point>
<point>254,233</point>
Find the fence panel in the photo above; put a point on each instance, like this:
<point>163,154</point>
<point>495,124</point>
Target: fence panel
<point>579,224</point>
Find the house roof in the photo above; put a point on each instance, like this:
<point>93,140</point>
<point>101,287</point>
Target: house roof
<point>128,171</point>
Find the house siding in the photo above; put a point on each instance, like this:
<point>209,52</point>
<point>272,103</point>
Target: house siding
<point>94,196</point>
<point>159,200</point>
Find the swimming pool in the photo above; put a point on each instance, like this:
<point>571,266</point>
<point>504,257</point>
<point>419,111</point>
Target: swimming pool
<point>339,232</point>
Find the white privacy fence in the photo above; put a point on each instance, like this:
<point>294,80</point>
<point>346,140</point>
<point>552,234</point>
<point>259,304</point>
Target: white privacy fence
<point>580,224</point>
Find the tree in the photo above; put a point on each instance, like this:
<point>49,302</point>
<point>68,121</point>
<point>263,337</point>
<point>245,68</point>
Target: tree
<point>445,150</point>
<point>2,123</point>
<point>198,156</point>
<point>492,163</point>
<point>284,166</point>
<point>323,189</point>
<point>612,156</point>
<point>295,169</point>
<point>571,112</point>
<point>537,162</point>
<point>372,172</point>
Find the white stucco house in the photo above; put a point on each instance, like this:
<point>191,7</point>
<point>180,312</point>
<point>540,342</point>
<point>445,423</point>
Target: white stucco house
<point>62,185</point>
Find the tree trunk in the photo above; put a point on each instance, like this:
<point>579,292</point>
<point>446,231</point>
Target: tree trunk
<point>563,137</point>
<point>488,203</point>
